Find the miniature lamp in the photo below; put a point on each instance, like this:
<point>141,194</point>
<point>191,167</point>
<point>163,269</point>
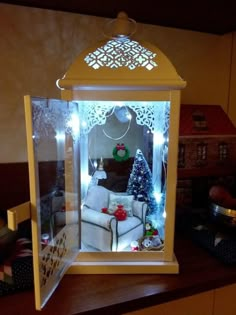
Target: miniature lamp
<point>99,173</point>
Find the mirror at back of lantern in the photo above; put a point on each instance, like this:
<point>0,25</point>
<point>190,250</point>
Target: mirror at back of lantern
<point>123,200</point>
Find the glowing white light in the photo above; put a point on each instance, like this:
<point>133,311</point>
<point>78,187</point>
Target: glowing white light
<point>158,138</point>
<point>60,136</point>
<point>95,164</point>
<point>84,124</point>
<point>82,205</point>
<point>74,124</point>
<point>164,214</point>
<point>58,85</point>
<point>128,115</point>
<point>157,196</point>
<point>122,113</point>
<point>87,179</point>
<point>122,246</point>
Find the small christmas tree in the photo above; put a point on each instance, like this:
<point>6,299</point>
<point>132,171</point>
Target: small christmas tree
<point>140,182</point>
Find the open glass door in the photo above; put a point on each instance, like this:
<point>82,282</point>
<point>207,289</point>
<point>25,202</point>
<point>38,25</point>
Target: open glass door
<point>52,140</point>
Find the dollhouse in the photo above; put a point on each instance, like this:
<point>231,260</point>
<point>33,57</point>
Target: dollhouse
<point>207,139</point>
<point>207,148</point>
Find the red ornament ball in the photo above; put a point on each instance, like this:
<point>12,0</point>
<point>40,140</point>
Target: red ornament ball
<point>104,210</point>
<point>120,214</point>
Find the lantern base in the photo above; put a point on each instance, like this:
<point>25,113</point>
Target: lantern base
<point>124,267</point>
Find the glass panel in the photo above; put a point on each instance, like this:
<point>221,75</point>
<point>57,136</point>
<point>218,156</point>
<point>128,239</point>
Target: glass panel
<point>126,166</point>
<point>52,139</point>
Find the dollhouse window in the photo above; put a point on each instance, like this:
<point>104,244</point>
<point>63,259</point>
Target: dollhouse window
<point>201,153</point>
<point>181,155</point>
<point>199,121</point>
<point>223,151</point>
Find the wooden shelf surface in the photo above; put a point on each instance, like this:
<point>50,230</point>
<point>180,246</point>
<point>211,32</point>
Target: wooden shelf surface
<point>117,294</point>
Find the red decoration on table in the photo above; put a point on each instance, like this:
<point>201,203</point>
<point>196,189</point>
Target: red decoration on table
<point>134,246</point>
<point>104,210</point>
<point>120,214</point>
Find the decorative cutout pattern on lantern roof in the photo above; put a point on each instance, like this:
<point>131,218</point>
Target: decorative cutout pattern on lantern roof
<point>120,63</point>
<point>81,74</point>
<point>121,53</point>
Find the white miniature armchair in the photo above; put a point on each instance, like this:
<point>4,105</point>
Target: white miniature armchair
<point>102,231</point>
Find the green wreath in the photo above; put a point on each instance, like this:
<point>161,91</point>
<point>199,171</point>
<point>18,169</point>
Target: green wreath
<point>120,152</point>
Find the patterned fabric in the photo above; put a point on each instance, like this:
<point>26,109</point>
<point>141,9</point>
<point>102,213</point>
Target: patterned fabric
<point>223,248</point>
<point>16,273</point>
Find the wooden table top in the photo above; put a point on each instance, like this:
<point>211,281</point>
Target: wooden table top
<point>117,294</point>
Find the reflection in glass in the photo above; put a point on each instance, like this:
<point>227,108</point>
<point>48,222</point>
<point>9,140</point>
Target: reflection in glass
<point>55,143</point>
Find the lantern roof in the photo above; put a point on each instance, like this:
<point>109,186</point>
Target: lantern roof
<point>121,62</point>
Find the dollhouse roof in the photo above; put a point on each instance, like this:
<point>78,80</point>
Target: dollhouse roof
<point>204,120</point>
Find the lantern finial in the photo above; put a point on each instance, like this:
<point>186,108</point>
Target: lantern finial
<point>121,27</point>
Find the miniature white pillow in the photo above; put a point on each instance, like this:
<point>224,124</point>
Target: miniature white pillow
<point>125,200</point>
<point>97,198</point>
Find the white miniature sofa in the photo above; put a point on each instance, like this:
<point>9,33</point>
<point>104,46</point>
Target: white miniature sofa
<point>103,231</point>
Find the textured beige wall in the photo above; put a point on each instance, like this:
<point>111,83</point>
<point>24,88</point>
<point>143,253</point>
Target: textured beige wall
<point>201,59</point>
<point>37,46</point>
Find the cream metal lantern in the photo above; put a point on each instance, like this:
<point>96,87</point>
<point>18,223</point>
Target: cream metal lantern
<point>72,133</point>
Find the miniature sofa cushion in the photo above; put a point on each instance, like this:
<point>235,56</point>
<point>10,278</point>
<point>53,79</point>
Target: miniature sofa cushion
<point>97,198</point>
<point>117,199</point>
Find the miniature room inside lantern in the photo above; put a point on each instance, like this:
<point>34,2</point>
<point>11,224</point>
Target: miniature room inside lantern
<point>127,204</point>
